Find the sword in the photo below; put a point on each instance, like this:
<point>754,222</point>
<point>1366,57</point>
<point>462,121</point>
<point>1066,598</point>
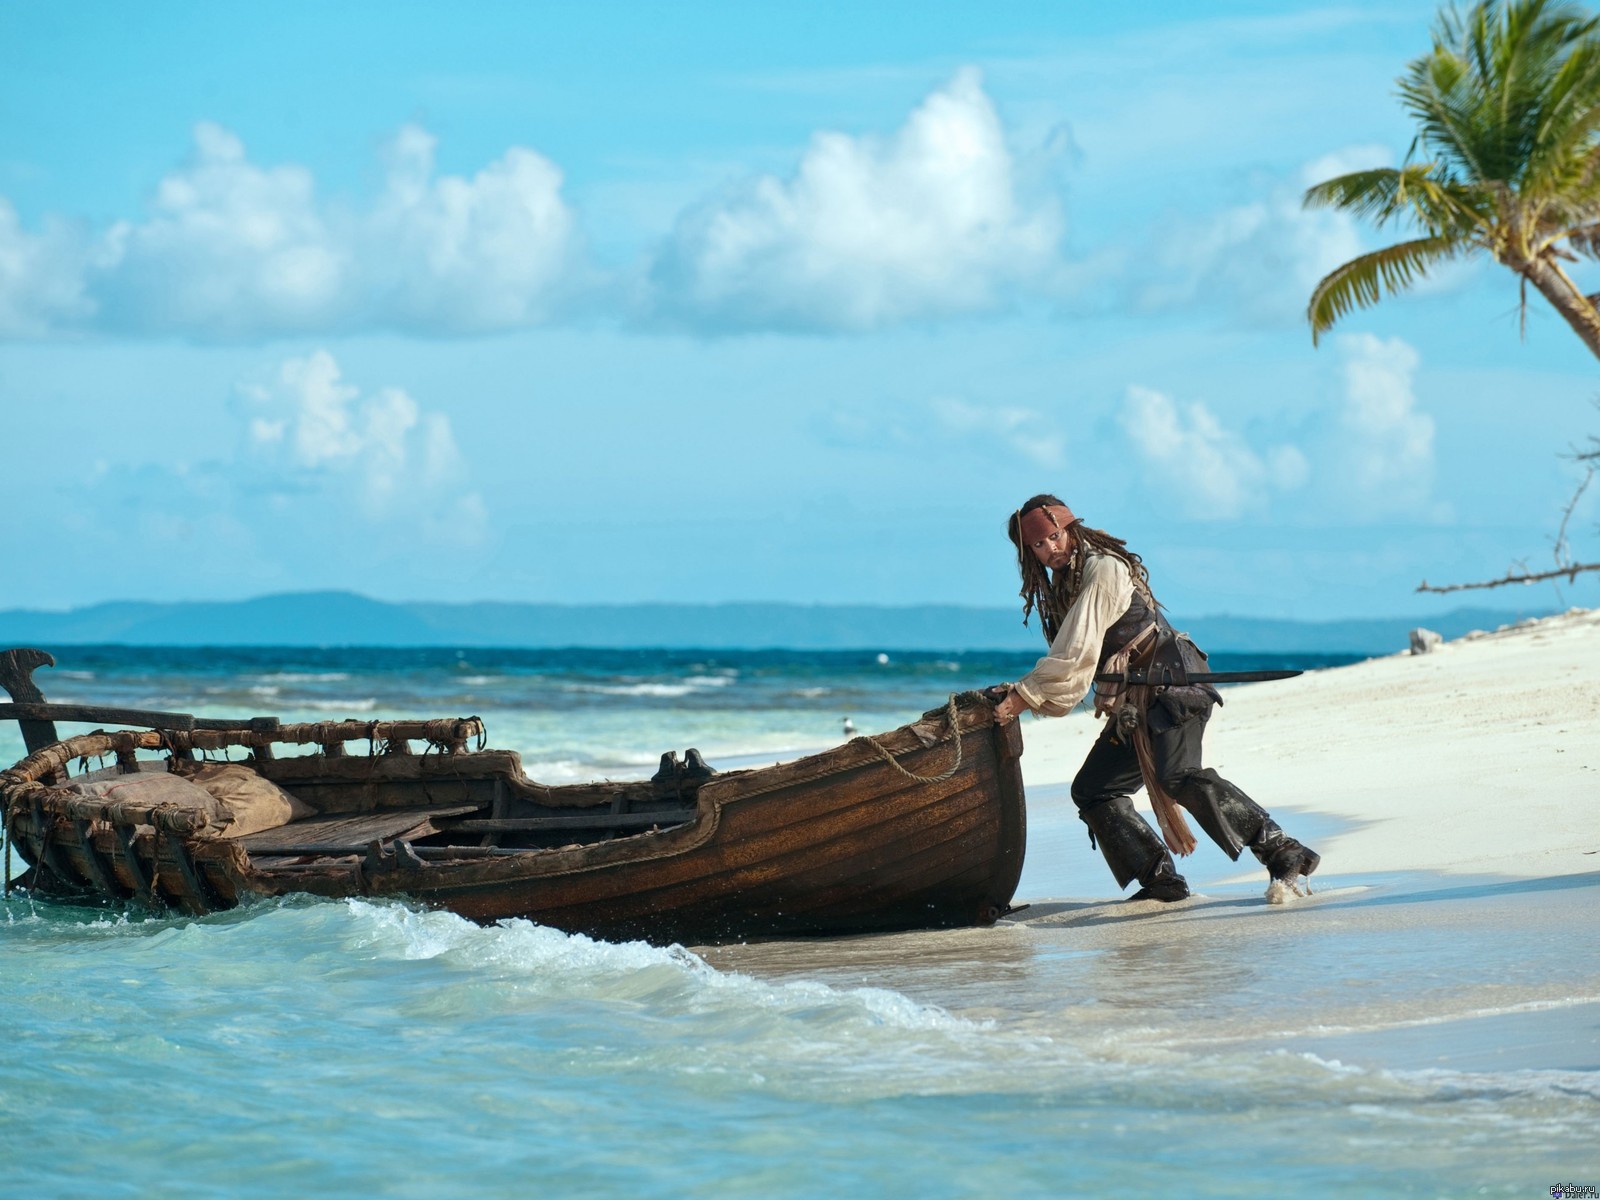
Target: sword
<point>1178,677</point>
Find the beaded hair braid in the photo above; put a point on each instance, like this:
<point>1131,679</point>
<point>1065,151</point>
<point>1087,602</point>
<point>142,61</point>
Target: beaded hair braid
<point>1051,596</point>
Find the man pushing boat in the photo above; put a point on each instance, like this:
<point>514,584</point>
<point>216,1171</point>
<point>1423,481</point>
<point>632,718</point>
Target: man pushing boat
<point>1101,619</point>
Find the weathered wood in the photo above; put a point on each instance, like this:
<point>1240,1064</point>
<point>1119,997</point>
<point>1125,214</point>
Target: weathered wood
<point>100,714</point>
<point>342,834</point>
<point>16,676</point>
<point>53,757</point>
<point>818,848</point>
<point>498,807</point>
<point>445,853</point>
<point>193,895</point>
<point>778,875</point>
<point>488,769</point>
<point>131,862</point>
<point>166,816</point>
<point>288,771</point>
<point>753,896</point>
<point>47,853</point>
<point>96,715</point>
<point>96,869</point>
<point>638,820</point>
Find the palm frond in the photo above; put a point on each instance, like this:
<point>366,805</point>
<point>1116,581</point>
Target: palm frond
<point>1585,240</point>
<point>1436,91</point>
<point>1501,82</point>
<point>1363,281</point>
<point>1562,148</point>
<point>1384,194</point>
<point>1373,193</point>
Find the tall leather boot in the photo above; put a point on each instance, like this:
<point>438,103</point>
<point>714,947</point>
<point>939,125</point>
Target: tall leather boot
<point>1285,859</point>
<point>1233,821</point>
<point>1134,851</point>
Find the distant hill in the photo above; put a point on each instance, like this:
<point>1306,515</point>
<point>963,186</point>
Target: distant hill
<point>346,619</point>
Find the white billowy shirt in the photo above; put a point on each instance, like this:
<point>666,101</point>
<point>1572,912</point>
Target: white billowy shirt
<point>1064,676</point>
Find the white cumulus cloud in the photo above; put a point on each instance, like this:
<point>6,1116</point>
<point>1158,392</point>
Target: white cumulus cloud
<point>228,248</point>
<point>496,251</point>
<point>962,433</point>
<point>1208,471</point>
<point>1368,448</point>
<point>380,454</point>
<point>1260,259</point>
<point>1012,430</point>
<point>1385,446</point>
<point>41,275</point>
<point>868,231</point>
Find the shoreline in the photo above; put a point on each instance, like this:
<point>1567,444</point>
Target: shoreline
<point>1450,925</point>
<point>1475,758</point>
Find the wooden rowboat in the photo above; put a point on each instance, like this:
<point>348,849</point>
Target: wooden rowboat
<point>922,827</point>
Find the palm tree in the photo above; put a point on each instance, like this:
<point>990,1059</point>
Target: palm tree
<point>1508,112</point>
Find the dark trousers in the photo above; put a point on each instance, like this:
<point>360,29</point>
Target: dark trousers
<point>1112,767</point>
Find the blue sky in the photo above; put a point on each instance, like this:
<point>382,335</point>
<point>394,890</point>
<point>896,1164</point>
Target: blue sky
<point>626,302</point>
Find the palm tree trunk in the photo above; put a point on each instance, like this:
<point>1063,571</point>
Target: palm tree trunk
<point>1556,286</point>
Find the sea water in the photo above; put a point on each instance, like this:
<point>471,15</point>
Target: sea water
<point>330,1048</point>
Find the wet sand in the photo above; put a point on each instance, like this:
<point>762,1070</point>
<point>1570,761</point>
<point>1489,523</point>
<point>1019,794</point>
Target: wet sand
<point>1455,799</point>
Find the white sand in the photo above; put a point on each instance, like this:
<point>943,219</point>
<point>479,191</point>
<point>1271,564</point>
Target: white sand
<point>1481,757</point>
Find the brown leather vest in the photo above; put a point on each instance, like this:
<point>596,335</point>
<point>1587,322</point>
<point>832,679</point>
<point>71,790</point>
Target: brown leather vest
<point>1126,627</point>
<point>1171,650</point>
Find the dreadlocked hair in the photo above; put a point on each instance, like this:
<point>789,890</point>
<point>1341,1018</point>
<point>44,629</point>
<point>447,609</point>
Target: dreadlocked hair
<point>1051,595</point>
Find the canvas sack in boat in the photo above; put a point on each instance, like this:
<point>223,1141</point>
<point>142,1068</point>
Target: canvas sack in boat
<point>252,802</point>
<point>150,786</point>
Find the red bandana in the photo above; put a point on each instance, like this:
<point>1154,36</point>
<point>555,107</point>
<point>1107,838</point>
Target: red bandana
<point>1039,523</point>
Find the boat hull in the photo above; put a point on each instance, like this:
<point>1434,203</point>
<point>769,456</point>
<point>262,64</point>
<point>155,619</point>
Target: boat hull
<point>860,850</point>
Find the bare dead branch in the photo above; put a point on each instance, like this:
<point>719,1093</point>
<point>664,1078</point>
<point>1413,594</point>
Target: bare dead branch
<point>1569,573</point>
<point>1565,568</point>
<point>1562,558</point>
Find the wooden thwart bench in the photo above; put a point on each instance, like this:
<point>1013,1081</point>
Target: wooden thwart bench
<point>350,833</point>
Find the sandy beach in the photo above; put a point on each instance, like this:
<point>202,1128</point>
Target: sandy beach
<point>1453,918</point>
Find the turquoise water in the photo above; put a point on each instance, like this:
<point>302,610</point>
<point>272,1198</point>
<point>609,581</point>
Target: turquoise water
<point>348,1048</point>
<point>573,714</point>
<point>319,1048</point>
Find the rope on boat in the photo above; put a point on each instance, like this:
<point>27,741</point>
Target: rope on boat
<point>955,731</point>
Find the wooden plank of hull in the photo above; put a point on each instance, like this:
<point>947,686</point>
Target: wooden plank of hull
<point>942,883</point>
<point>852,843</point>
<point>959,845</point>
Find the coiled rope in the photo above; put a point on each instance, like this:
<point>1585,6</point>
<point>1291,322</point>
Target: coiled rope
<point>955,732</point>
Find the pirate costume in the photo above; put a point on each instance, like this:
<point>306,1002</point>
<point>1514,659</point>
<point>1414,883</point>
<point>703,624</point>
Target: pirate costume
<point>1152,736</point>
